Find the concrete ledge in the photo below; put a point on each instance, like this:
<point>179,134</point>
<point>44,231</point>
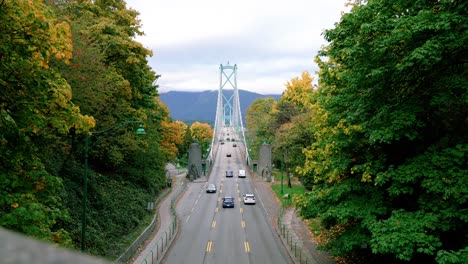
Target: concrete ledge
<point>19,249</point>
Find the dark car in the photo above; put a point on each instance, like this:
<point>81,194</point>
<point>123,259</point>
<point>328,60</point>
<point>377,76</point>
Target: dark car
<point>229,173</point>
<point>228,202</point>
<point>234,145</point>
<point>228,155</point>
<point>211,188</point>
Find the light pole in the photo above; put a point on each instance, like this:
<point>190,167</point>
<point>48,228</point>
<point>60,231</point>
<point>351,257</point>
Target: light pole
<point>282,174</point>
<point>139,131</point>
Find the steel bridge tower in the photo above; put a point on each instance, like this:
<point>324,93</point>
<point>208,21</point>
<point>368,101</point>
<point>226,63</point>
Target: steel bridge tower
<point>228,111</point>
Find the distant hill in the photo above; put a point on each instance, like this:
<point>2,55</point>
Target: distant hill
<point>201,106</point>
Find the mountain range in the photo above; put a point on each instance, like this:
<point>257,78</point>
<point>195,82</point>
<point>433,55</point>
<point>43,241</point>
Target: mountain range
<point>189,107</point>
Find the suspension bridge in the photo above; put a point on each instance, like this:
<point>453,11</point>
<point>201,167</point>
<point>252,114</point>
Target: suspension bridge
<point>228,125</point>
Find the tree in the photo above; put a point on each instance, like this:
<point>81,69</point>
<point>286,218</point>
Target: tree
<point>292,119</point>
<point>388,157</point>
<point>172,138</point>
<point>35,112</point>
<point>203,133</point>
<point>299,91</point>
<point>114,89</point>
<point>185,136</point>
<point>259,121</point>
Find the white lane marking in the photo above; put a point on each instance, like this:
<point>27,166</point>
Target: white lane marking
<point>261,201</point>
<point>188,217</point>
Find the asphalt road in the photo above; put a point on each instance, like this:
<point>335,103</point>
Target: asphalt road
<point>212,234</point>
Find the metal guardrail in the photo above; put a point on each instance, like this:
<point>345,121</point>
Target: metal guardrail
<point>294,244</point>
<point>130,251</point>
<point>164,241</point>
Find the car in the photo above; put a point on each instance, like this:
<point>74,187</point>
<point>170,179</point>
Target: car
<point>211,188</point>
<point>228,201</point>
<point>229,173</point>
<point>249,198</point>
<point>242,174</point>
<point>228,155</point>
<point>234,145</point>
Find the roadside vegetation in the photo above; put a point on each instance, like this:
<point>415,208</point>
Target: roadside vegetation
<point>70,69</point>
<point>291,192</point>
<point>380,141</point>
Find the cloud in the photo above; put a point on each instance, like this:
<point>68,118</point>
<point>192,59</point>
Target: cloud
<point>270,41</point>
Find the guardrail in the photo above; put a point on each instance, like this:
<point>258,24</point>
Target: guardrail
<point>130,252</point>
<point>293,243</point>
<point>165,240</point>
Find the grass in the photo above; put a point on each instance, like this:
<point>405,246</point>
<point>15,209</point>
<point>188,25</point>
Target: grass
<point>295,189</point>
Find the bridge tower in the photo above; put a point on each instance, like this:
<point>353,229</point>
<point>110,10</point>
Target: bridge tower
<point>228,110</point>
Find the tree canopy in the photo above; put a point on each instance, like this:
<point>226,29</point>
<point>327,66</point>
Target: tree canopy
<point>70,69</point>
<point>389,122</point>
<point>381,140</point>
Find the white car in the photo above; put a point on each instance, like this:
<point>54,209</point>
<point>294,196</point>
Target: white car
<point>249,198</point>
<point>241,174</point>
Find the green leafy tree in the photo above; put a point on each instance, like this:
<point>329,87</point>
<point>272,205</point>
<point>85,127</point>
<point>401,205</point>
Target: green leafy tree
<point>388,159</point>
<point>259,122</point>
<point>35,111</point>
<point>292,119</point>
<point>111,80</point>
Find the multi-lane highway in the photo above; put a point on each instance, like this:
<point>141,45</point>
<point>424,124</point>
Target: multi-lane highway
<point>210,233</point>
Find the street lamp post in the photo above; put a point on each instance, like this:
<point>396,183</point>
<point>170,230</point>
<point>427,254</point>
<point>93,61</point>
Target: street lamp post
<point>282,174</point>
<point>139,131</point>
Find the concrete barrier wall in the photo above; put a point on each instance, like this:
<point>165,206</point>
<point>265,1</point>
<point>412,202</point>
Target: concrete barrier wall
<point>17,248</point>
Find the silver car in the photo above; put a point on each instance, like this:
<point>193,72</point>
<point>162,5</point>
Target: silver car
<point>211,188</point>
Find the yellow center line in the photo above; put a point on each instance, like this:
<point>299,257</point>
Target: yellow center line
<point>243,223</point>
<point>247,247</point>
<point>238,191</point>
<point>217,209</point>
<point>209,246</point>
<point>213,224</point>
<point>239,199</point>
<point>241,210</point>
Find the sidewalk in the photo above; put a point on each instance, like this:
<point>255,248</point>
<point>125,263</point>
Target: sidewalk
<point>164,216</point>
<point>293,222</point>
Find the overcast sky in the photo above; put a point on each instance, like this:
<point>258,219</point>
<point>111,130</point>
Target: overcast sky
<point>270,41</point>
